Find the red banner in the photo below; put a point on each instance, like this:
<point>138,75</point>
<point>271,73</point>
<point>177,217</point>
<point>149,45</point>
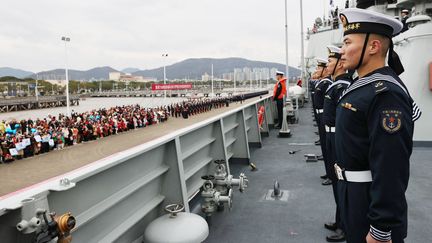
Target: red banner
<point>171,86</point>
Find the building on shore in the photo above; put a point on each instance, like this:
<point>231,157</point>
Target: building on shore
<point>127,77</point>
<point>205,77</point>
<point>61,83</point>
<point>246,74</point>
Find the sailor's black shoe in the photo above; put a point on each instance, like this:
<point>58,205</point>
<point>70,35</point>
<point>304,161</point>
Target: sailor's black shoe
<point>326,182</point>
<point>338,236</point>
<point>330,226</point>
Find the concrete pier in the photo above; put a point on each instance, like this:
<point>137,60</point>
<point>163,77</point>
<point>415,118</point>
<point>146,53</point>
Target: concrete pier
<point>30,103</point>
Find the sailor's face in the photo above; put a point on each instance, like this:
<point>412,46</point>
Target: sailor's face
<point>331,65</point>
<point>329,71</point>
<point>326,72</point>
<point>314,75</point>
<point>319,70</point>
<point>351,50</point>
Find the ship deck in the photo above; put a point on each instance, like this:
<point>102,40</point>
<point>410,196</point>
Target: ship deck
<point>29,172</point>
<point>253,218</point>
<point>300,219</point>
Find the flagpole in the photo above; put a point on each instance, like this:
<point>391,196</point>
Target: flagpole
<point>286,50</point>
<point>285,131</point>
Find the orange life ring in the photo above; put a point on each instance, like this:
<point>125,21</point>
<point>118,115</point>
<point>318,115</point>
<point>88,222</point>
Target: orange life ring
<point>261,115</point>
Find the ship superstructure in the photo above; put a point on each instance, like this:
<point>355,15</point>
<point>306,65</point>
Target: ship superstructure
<point>413,47</point>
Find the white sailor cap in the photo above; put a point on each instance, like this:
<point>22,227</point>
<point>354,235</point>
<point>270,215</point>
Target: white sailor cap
<point>321,62</point>
<point>405,11</point>
<point>279,73</point>
<point>355,20</point>
<point>334,52</point>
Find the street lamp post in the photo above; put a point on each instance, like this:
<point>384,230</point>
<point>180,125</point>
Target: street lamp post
<point>36,88</point>
<point>212,91</point>
<point>234,80</point>
<point>260,84</point>
<point>250,77</point>
<point>164,74</point>
<point>66,39</point>
<point>220,84</point>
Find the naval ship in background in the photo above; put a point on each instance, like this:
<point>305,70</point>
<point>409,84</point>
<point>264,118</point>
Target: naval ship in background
<point>180,187</point>
<point>413,47</point>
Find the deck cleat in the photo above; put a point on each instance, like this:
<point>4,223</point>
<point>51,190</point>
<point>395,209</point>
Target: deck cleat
<point>311,158</point>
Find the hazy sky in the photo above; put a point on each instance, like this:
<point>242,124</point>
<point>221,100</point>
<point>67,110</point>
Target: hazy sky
<point>135,33</point>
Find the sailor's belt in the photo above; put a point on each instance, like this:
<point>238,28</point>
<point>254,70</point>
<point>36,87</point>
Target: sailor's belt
<point>353,176</point>
<point>330,129</point>
<point>318,111</point>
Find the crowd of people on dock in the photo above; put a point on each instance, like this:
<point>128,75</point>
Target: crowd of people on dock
<point>26,138</point>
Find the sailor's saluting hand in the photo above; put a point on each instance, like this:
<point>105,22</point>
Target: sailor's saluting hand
<point>370,239</point>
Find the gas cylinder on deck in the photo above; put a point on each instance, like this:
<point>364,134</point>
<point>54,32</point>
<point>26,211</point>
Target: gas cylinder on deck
<point>177,227</point>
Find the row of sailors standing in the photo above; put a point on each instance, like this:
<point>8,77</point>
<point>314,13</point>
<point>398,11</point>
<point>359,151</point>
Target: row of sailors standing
<point>189,108</point>
<point>366,129</point>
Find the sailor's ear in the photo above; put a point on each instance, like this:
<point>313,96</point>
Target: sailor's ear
<point>375,46</point>
<point>340,64</point>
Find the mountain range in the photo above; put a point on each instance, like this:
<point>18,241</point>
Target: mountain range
<point>195,67</point>
<point>18,73</point>
<point>190,68</point>
<point>98,73</point>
